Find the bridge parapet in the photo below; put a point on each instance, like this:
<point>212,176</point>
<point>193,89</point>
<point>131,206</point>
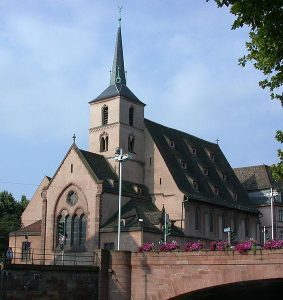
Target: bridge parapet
<point>164,275</point>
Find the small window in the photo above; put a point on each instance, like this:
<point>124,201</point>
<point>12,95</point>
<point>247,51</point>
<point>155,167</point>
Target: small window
<point>205,171</point>
<point>160,180</point>
<point>197,218</point>
<point>183,164</point>
<point>194,150</point>
<point>211,156</point>
<point>131,116</point>
<point>131,143</point>
<point>280,215</point>
<point>104,143</point>
<point>150,161</point>
<point>171,143</point>
<point>137,189</point>
<point>72,198</point>
<point>216,190</point>
<point>224,177</point>
<point>195,184</point>
<point>108,246</point>
<point>71,168</point>
<point>26,249</point>
<point>235,196</point>
<point>211,221</point>
<point>104,115</point>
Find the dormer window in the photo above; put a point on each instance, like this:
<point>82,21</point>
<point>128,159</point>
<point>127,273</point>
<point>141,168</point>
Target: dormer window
<point>137,189</point>
<point>216,190</point>
<point>195,185</point>
<point>211,156</point>
<point>205,171</point>
<point>171,143</point>
<point>194,150</point>
<point>224,177</point>
<point>183,164</point>
<point>235,196</point>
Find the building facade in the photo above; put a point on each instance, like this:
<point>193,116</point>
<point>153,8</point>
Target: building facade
<point>169,171</point>
<point>262,189</point>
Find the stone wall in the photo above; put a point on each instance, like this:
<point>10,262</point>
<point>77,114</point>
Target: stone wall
<point>49,282</point>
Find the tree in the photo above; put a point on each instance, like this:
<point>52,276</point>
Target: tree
<point>10,216</point>
<point>277,170</point>
<point>265,48</point>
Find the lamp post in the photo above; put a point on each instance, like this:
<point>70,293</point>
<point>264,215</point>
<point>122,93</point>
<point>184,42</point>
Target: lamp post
<point>141,223</point>
<point>272,194</point>
<point>120,157</point>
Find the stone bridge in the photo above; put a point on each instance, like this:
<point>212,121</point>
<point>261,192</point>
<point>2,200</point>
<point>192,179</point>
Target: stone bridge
<point>183,275</point>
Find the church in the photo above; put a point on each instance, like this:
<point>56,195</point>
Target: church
<point>169,172</point>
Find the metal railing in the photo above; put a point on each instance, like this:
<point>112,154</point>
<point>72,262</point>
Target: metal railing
<point>53,257</point>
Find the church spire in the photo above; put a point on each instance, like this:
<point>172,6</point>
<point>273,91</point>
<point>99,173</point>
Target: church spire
<point>118,69</point>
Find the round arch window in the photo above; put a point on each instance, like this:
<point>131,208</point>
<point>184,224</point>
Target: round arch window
<point>72,198</point>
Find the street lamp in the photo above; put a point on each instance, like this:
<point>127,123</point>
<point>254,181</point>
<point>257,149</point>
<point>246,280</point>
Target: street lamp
<point>141,223</point>
<point>120,157</point>
<point>272,194</point>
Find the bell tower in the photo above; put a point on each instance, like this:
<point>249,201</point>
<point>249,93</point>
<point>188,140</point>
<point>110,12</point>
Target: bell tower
<point>117,120</point>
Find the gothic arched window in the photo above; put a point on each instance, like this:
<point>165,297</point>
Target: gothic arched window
<point>82,230</point>
<point>103,143</point>
<point>131,143</point>
<point>197,218</point>
<point>60,228</point>
<point>68,230</point>
<point>104,115</point>
<point>131,116</point>
<point>75,227</point>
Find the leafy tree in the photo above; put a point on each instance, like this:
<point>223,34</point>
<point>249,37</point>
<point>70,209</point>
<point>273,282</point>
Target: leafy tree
<point>277,170</point>
<point>265,48</point>
<point>10,216</point>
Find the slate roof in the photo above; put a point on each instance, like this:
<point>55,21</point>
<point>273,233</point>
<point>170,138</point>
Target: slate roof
<point>118,90</point>
<point>131,212</point>
<point>32,229</point>
<point>182,152</point>
<point>255,178</point>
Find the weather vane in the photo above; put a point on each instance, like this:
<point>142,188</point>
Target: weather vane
<point>119,11</point>
<point>217,141</point>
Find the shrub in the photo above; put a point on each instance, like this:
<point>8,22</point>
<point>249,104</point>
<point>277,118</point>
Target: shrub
<point>146,247</point>
<point>273,244</point>
<point>169,247</point>
<point>246,246</point>
<point>193,246</point>
<point>219,246</point>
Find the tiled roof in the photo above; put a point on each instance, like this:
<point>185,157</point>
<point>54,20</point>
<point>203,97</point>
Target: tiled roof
<point>118,90</point>
<point>177,147</point>
<point>135,209</point>
<point>104,172</point>
<point>255,178</point>
<point>33,228</point>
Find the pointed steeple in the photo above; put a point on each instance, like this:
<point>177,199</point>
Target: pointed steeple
<point>117,86</point>
<point>118,69</point>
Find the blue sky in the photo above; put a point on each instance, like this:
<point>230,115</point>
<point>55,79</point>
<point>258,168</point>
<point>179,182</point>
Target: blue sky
<point>181,58</point>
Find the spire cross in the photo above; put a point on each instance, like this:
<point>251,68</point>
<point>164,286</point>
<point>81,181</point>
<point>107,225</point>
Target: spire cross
<point>74,138</point>
<point>119,12</point>
<point>217,141</point>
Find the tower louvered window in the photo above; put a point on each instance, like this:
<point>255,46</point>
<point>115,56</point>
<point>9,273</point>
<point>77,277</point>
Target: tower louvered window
<point>131,116</point>
<point>105,115</point>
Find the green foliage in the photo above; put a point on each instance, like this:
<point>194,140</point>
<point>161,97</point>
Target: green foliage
<point>277,170</point>
<point>10,216</point>
<point>265,47</point>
